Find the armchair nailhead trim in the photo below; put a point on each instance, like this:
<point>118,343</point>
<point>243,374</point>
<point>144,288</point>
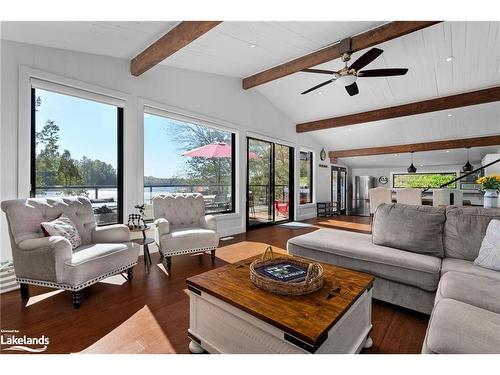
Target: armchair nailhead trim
<point>76,287</point>
<point>188,251</point>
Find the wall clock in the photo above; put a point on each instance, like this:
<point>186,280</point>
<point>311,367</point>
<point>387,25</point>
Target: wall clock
<point>383,180</point>
<point>322,154</point>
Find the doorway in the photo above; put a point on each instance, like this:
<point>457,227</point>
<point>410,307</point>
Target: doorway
<point>339,189</point>
<point>270,195</point>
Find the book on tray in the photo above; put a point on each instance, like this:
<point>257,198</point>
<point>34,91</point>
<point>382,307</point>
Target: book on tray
<point>284,271</point>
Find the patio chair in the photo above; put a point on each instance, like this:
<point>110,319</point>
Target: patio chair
<point>182,226</point>
<point>51,261</point>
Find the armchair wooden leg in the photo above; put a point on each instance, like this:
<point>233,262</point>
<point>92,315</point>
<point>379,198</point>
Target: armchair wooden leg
<point>77,299</point>
<point>168,261</point>
<point>212,255</point>
<point>25,291</point>
<point>130,274</point>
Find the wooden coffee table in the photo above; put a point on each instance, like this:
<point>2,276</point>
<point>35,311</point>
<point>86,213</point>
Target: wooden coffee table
<point>228,314</point>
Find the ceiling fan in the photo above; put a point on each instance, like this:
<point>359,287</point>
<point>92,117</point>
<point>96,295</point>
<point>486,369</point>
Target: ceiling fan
<point>348,75</point>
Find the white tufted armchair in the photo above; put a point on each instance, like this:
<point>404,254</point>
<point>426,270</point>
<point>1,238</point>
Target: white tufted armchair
<point>183,227</point>
<point>51,261</point>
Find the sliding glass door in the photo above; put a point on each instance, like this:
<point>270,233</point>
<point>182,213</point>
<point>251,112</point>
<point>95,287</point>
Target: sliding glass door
<point>270,183</point>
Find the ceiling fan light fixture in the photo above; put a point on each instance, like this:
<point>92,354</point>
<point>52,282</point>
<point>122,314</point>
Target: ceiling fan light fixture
<point>347,80</point>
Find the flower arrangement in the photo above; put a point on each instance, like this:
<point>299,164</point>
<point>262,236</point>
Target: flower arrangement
<point>489,182</point>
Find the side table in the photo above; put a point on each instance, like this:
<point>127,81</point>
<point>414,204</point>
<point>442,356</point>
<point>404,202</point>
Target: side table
<point>144,242</point>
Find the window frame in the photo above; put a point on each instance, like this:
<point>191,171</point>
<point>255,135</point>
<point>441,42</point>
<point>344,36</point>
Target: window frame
<point>417,174</point>
<point>155,111</point>
<point>80,94</point>
<point>311,178</point>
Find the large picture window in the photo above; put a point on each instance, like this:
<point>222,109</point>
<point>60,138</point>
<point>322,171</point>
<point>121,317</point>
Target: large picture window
<point>187,157</point>
<point>76,150</point>
<point>423,180</point>
<point>306,177</point>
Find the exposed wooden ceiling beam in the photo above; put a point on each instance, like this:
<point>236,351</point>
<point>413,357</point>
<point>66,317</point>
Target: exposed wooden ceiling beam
<point>359,42</point>
<point>438,104</point>
<point>493,140</point>
<point>176,39</point>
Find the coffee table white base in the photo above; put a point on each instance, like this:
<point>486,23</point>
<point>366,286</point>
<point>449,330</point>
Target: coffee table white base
<point>218,327</point>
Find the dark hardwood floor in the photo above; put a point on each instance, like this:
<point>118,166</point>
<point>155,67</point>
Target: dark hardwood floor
<point>151,314</point>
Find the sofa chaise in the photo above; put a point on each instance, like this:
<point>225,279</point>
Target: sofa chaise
<point>423,259</point>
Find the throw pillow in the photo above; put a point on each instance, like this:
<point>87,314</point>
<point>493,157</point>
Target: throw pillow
<point>489,253</point>
<point>63,226</point>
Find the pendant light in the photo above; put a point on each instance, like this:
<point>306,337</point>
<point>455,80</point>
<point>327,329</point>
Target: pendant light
<point>411,168</point>
<point>468,167</point>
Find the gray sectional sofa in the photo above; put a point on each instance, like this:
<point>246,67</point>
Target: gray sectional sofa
<point>423,259</point>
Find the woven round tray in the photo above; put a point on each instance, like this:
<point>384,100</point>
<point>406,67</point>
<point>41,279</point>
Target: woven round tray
<point>312,282</point>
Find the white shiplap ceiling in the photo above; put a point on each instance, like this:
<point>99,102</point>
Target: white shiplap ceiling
<point>116,39</point>
<point>474,46</point>
<point>227,50</point>
<point>239,49</point>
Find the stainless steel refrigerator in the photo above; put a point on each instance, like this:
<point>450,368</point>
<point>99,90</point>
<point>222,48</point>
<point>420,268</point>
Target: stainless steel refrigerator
<point>360,198</point>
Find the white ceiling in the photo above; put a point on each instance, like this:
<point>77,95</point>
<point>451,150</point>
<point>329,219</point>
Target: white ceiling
<point>116,39</point>
<point>226,50</point>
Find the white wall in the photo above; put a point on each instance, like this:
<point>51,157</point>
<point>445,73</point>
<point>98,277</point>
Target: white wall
<point>209,96</point>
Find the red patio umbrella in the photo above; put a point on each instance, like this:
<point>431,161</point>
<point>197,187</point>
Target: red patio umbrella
<point>214,151</point>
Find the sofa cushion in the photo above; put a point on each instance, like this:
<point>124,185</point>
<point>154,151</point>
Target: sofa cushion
<point>189,238</point>
<point>86,253</point>
<point>93,261</point>
<point>356,251</point>
<point>474,290</point>
<point>465,266</point>
<point>458,328</point>
<point>459,240</point>
<point>418,229</point>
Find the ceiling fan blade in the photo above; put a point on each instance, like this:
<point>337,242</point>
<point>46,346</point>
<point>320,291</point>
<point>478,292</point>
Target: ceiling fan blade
<point>322,71</point>
<point>318,86</point>
<point>352,89</point>
<point>383,72</point>
<point>366,58</point>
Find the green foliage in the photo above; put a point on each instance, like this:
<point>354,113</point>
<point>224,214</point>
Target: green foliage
<point>423,180</point>
<point>55,169</point>
<point>47,160</point>
<point>96,172</point>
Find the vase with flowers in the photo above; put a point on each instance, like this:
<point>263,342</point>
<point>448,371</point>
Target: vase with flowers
<point>491,186</point>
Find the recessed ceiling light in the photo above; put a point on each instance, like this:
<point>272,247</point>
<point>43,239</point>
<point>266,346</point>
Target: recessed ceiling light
<point>449,59</point>
<point>349,130</point>
<point>320,93</point>
<point>447,150</point>
<point>395,154</point>
<point>421,165</point>
<point>252,45</point>
<point>450,115</point>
